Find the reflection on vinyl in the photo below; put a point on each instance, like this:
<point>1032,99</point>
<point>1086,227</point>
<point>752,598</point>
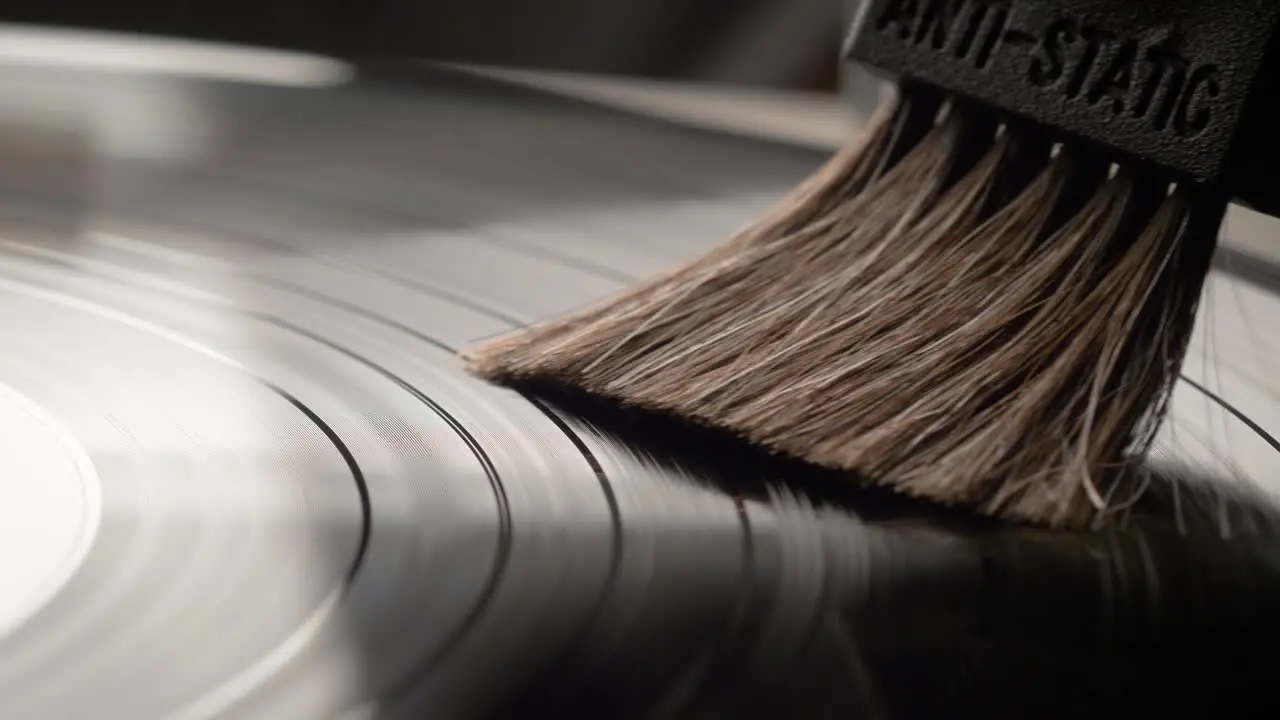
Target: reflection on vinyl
<point>246,477</point>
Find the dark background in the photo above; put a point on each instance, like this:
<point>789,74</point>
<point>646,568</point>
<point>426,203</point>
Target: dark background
<point>775,43</point>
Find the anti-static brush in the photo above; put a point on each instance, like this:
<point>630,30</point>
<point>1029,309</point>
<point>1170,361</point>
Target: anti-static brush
<point>985,300</point>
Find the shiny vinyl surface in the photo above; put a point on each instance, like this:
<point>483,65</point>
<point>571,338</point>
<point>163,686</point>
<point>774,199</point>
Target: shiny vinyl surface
<point>245,476</point>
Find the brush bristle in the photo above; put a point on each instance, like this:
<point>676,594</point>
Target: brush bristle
<point>965,317</point>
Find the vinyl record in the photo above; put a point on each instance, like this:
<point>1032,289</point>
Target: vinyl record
<point>246,477</point>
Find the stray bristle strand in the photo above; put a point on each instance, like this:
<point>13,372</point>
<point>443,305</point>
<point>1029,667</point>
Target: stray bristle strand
<point>965,313</point>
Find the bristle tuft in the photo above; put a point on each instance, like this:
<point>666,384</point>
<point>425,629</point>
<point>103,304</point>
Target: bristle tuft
<point>953,307</point>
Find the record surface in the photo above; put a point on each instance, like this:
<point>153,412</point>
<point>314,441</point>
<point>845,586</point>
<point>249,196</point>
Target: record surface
<point>245,476</point>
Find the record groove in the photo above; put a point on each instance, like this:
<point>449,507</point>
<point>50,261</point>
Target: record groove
<point>470,441</point>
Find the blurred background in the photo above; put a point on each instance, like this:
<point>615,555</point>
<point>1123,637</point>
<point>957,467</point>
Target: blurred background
<point>773,43</point>
<point>782,56</point>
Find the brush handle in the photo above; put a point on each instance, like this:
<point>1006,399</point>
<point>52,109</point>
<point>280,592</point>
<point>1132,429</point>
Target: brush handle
<point>1186,85</point>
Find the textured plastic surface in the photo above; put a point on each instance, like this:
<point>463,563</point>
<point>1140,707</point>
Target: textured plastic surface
<point>1184,84</point>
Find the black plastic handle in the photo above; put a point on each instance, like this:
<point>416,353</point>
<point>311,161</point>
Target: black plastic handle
<point>1188,85</point>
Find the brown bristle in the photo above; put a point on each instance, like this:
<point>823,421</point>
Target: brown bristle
<point>975,317</point>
